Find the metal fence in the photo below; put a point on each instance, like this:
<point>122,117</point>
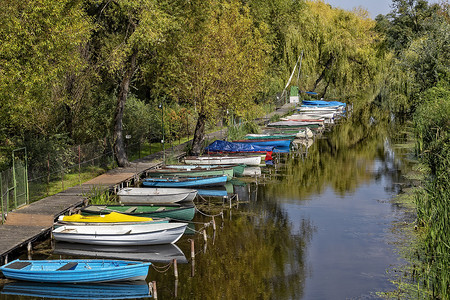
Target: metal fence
<point>51,173</point>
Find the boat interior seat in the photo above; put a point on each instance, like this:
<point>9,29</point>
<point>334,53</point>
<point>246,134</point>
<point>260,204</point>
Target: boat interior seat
<point>131,209</point>
<point>68,266</point>
<point>161,209</point>
<point>18,265</point>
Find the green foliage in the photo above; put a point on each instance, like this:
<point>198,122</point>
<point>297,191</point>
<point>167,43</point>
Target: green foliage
<point>99,196</point>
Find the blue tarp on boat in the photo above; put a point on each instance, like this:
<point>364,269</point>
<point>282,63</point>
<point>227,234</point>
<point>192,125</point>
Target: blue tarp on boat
<point>224,146</point>
<point>323,103</point>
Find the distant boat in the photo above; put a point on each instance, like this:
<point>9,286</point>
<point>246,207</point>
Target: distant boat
<point>223,160</point>
<point>193,172</point>
<point>172,211</point>
<point>268,142</point>
<point>155,195</point>
<point>232,147</point>
<point>113,290</point>
<point>185,181</point>
<point>237,169</point>
<point>121,235</point>
<point>75,270</point>
<point>266,136</point>
<point>294,124</point>
<point>154,253</point>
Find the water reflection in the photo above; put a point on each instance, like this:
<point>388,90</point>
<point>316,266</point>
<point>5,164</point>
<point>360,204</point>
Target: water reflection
<point>315,228</point>
<point>155,253</point>
<point>131,290</point>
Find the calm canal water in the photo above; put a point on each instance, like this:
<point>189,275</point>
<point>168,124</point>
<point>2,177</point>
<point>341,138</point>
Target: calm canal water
<point>316,227</point>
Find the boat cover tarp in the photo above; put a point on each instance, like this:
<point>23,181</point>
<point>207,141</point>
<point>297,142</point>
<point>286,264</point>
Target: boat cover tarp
<point>323,103</point>
<point>224,146</point>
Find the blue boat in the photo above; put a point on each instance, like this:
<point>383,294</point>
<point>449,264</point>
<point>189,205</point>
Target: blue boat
<point>75,270</point>
<point>125,290</point>
<point>323,103</point>
<point>230,147</point>
<point>186,181</point>
<point>262,142</point>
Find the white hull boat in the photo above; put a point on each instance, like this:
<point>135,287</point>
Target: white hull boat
<point>121,235</point>
<point>224,160</point>
<point>155,195</point>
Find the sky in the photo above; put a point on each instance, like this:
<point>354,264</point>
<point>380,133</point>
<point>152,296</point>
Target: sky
<point>374,7</point>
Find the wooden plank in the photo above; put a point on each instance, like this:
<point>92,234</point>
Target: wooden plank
<point>14,237</point>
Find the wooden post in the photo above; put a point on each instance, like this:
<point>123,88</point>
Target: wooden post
<point>205,236</point>
<point>192,258</point>
<point>175,268</point>
<point>79,164</point>
<point>214,224</point>
<point>155,292</point>
<point>192,249</point>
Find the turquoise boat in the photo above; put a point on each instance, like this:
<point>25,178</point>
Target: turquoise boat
<point>185,182</point>
<point>192,172</point>
<point>172,211</point>
<point>237,169</point>
<point>75,270</point>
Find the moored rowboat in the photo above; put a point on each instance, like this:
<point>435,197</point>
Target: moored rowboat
<point>75,271</point>
<point>172,211</point>
<point>155,195</point>
<point>132,234</point>
<point>223,160</point>
<point>186,181</point>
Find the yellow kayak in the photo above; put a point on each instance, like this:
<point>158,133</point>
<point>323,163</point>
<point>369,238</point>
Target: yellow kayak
<point>113,217</point>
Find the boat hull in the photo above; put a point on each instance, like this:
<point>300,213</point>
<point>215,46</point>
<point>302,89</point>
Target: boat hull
<point>224,160</point>
<point>187,182</point>
<point>155,195</point>
<point>177,212</point>
<point>125,235</point>
<point>192,173</point>
<point>81,271</point>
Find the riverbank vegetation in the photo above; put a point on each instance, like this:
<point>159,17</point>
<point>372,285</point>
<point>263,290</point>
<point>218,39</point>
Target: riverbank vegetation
<point>417,90</point>
<point>120,73</point>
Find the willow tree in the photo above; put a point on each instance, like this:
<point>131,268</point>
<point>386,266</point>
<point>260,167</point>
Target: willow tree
<point>221,59</point>
<point>127,31</point>
<point>41,44</point>
<point>340,48</point>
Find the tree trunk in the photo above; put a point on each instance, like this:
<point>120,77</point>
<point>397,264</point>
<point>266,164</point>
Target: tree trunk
<point>328,65</point>
<point>119,143</point>
<point>199,135</point>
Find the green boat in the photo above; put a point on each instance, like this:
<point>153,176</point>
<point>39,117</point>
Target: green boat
<point>193,172</point>
<point>172,211</point>
<point>270,137</point>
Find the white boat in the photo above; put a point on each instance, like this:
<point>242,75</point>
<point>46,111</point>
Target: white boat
<point>149,195</point>
<point>123,235</point>
<point>223,160</point>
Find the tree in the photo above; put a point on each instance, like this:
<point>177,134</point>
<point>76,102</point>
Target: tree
<point>127,32</point>
<point>41,45</point>
<point>220,60</point>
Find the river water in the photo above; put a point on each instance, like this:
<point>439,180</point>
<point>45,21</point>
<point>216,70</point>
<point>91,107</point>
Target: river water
<point>319,225</point>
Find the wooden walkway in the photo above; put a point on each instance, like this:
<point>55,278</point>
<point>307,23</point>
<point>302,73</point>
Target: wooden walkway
<point>35,221</point>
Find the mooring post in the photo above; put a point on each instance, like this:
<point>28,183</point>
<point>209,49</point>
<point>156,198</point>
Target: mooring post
<point>155,292</point>
<point>192,258</point>
<point>175,268</point>
<point>214,224</point>
<point>192,249</point>
<point>205,237</point>
<point>6,259</point>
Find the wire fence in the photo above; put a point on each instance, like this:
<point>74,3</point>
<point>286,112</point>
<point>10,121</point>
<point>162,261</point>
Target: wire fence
<point>56,171</point>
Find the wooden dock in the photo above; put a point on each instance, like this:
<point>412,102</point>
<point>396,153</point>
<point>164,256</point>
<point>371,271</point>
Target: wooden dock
<point>34,221</point>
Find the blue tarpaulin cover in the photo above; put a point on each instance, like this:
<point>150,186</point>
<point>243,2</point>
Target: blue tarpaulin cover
<point>224,146</point>
<point>323,103</point>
